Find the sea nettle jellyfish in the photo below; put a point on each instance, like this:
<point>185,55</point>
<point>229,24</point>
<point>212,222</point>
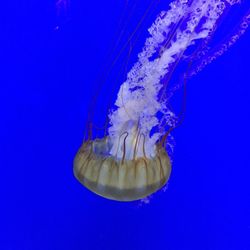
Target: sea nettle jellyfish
<point>131,161</point>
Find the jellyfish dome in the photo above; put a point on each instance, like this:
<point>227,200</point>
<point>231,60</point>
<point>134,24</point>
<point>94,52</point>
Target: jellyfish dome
<point>132,162</point>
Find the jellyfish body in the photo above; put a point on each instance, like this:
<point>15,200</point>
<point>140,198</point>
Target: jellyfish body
<point>131,162</point>
<point>124,179</point>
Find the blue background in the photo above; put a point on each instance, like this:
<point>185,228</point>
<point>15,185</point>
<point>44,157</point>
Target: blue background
<point>48,75</point>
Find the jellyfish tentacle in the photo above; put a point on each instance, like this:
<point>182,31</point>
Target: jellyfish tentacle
<point>222,48</point>
<point>136,145</point>
<point>124,147</point>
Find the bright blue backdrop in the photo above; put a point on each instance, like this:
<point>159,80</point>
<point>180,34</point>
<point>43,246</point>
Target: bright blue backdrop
<point>47,79</point>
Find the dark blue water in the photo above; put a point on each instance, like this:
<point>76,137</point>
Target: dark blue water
<point>48,75</point>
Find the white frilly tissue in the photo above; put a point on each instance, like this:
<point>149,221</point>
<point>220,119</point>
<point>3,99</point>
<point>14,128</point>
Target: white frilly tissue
<point>138,104</point>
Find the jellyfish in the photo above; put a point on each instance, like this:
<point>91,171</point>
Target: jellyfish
<point>131,162</point>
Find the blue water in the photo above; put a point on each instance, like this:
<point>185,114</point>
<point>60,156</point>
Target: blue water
<point>48,77</point>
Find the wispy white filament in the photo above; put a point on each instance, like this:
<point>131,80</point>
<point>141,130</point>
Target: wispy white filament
<point>138,102</point>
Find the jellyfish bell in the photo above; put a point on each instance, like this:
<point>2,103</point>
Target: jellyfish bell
<point>131,162</point>
<point>120,179</point>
